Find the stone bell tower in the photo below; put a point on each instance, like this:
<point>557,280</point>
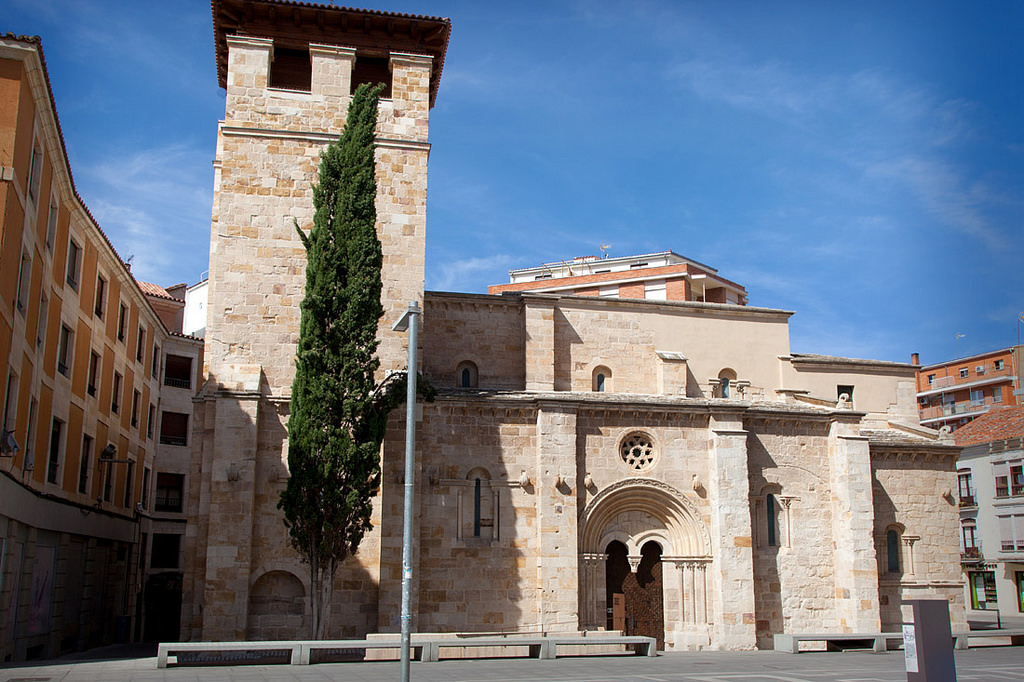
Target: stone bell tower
<point>289,70</point>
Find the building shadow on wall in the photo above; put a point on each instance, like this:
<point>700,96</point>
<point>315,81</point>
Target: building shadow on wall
<point>467,558</point>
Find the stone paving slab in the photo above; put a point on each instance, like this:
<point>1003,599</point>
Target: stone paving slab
<point>976,665</point>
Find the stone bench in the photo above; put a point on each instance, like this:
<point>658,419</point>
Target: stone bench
<point>263,653</point>
<point>1016,636</point>
<point>424,648</point>
<point>790,643</point>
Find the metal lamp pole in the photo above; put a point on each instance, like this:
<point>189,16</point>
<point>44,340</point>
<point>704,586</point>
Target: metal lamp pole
<point>410,321</point>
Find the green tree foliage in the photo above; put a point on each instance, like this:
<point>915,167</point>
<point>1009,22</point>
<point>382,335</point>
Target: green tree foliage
<point>338,414</point>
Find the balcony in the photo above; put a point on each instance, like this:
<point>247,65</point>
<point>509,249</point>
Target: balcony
<point>967,501</point>
<point>971,555</point>
<point>173,440</point>
<point>938,412</point>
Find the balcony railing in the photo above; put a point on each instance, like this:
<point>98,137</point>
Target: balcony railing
<point>971,554</point>
<point>177,383</point>
<point>173,440</point>
<point>968,501</point>
<point>953,409</point>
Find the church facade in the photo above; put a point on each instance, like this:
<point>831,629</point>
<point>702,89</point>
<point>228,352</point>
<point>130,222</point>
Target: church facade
<point>665,467</point>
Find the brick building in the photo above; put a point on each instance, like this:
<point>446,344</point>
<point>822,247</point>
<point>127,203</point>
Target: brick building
<point>953,393</point>
<point>991,493</point>
<point>85,353</point>
<point>663,448</point>
<point>664,276</point>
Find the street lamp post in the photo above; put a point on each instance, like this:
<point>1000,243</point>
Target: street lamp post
<point>410,321</point>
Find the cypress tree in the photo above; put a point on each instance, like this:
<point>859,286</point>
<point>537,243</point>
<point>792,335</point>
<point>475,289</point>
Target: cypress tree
<point>337,416</point>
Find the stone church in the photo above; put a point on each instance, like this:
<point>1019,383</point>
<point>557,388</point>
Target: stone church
<point>663,465</point>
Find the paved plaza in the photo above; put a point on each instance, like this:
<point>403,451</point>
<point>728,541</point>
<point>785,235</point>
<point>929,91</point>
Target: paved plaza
<point>992,663</point>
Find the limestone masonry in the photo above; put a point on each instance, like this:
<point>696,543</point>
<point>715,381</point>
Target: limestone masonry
<point>667,467</point>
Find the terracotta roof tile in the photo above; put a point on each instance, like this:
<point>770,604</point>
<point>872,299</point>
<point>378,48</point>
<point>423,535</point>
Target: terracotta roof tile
<point>996,424</point>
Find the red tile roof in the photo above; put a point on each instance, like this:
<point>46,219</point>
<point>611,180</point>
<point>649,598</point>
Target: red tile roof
<point>997,424</point>
<point>151,289</point>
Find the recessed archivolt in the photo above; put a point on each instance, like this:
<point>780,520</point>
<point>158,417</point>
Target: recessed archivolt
<point>682,531</point>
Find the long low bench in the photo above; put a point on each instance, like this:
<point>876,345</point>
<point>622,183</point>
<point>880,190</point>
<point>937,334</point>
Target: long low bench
<point>791,643</point>
<point>423,648</point>
<point>1016,636</point>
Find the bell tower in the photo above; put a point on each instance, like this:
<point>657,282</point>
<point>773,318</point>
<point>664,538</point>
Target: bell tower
<point>289,70</point>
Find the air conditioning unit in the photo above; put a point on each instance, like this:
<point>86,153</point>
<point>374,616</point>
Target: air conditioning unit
<point>980,369</point>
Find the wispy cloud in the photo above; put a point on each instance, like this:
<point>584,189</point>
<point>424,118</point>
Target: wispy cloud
<point>154,204</point>
<point>464,274</point>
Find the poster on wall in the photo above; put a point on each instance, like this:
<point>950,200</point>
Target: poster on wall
<point>42,590</point>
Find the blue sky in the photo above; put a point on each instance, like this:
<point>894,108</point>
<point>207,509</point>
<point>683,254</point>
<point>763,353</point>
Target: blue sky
<point>859,163</point>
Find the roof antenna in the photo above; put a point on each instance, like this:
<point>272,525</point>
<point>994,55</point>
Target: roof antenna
<point>128,262</point>
<point>604,250</point>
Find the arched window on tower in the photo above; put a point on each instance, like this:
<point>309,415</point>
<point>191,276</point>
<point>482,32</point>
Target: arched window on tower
<point>466,374</point>
<point>892,550</point>
<point>602,379</point>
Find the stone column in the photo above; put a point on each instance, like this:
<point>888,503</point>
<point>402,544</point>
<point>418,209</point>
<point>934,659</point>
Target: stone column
<point>732,605</point>
<point>557,576</point>
<point>855,565</point>
<point>331,70</point>
<point>592,597</point>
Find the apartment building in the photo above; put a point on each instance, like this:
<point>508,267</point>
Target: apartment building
<point>662,276</point>
<point>991,493</point>
<point>84,356</point>
<point>953,393</point>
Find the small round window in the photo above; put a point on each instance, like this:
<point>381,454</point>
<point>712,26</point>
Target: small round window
<point>637,451</point>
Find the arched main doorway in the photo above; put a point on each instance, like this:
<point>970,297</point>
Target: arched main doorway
<point>644,555</point>
<point>637,597</point>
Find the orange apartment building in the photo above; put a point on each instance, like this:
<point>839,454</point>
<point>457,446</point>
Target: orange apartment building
<point>95,384</point>
<point>953,393</point>
<point>663,276</point>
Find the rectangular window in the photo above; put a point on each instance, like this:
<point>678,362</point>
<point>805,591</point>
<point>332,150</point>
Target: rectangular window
<point>140,344</point>
<point>24,278</point>
<point>1016,478</point>
<point>977,397</point>
<point>10,402</point>
<point>655,291</point>
<point>965,489</point>
<point>165,550</point>
<point>64,351</point>
<point>145,488</point>
<point>74,263</point>
<point>964,372</point>
<point>129,484</point>
<point>44,314</point>
<point>997,394</point>
<point>94,373</point>
<point>983,589</point>
<point>846,389</point>
<point>174,428</point>
<point>1011,532</point>
<point>136,397</point>
<point>611,291</point>
<point>122,318</point>
<point>53,463</point>
<point>51,226</point>
<point>999,364</point>
<point>169,492</point>
<point>84,465</point>
<point>1019,579</point>
<point>156,361</point>
<point>35,172</point>
<point>149,420</point>
<point>178,371</point>
<point>969,531</point>
<point>29,463</point>
<point>115,399</point>
<point>101,296</point>
<point>108,481</point>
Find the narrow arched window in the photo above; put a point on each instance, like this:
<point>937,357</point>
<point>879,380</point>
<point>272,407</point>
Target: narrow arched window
<point>466,375</point>
<point>773,520</point>
<point>599,383</point>
<point>892,550</point>
<point>601,379</point>
<point>725,387</point>
<point>476,508</point>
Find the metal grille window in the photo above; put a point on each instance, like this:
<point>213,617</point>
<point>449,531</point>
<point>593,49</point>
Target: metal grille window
<point>178,372</point>
<point>169,492</point>
<point>174,428</point>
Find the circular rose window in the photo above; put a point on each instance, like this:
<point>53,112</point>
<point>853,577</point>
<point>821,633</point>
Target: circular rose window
<point>637,451</point>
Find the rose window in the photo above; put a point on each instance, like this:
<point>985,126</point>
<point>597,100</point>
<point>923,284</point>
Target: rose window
<point>637,451</point>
